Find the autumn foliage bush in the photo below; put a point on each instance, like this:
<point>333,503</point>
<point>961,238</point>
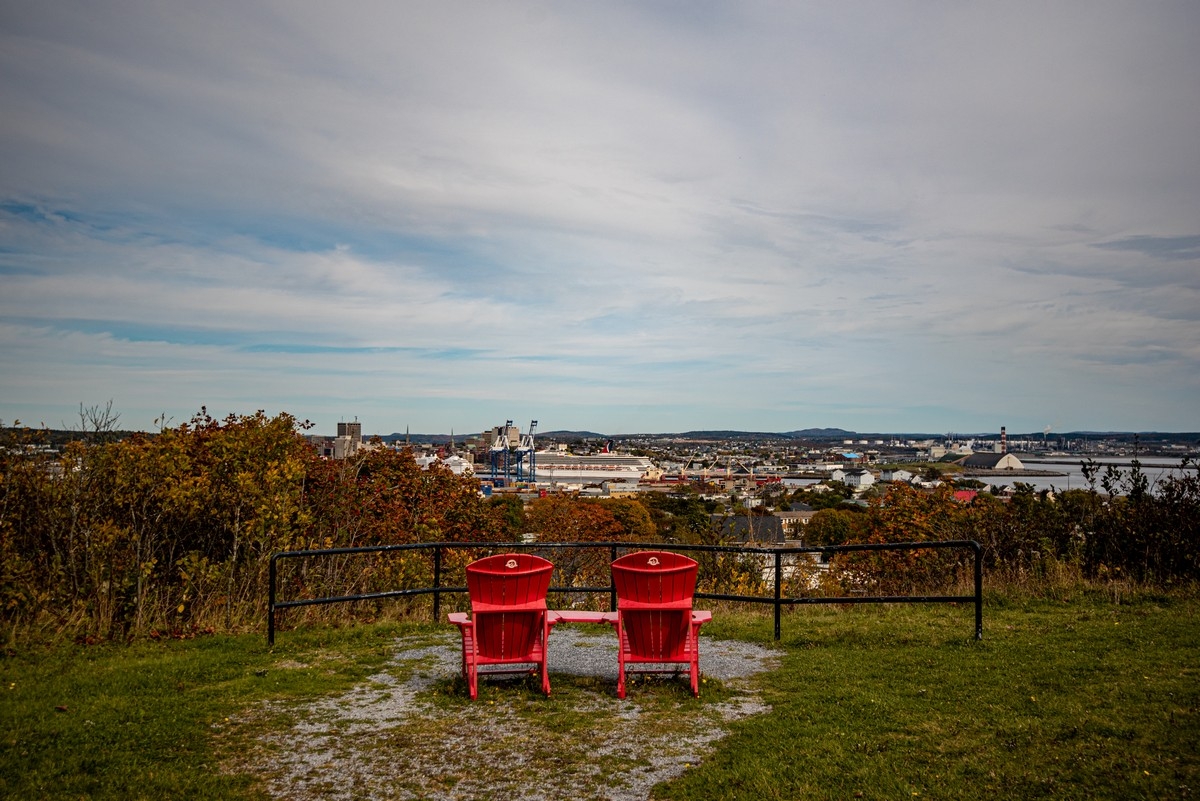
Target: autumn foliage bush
<point>174,532</point>
<point>1122,530</point>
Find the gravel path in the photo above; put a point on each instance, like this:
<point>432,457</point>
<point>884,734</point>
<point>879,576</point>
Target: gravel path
<point>387,739</point>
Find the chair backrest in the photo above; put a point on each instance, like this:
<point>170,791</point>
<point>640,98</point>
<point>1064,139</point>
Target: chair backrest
<point>654,577</point>
<point>509,579</point>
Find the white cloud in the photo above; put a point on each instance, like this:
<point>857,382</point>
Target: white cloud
<point>627,215</point>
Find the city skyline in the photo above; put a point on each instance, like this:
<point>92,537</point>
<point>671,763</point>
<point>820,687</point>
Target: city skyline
<point>624,218</point>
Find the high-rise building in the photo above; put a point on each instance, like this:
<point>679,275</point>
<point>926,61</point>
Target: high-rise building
<point>349,439</point>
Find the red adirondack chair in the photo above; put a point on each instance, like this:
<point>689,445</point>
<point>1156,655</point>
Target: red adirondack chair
<point>508,624</point>
<point>655,620</point>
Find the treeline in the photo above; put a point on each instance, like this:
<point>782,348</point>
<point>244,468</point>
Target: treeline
<point>174,532</point>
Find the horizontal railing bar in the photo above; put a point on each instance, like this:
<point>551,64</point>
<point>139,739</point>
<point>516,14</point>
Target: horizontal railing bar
<point>368,596</point>
<point>880,599</point>
<point>716,596</point>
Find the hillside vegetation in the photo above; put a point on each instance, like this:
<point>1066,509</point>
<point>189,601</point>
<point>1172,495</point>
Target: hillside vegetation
<point>173,533</point>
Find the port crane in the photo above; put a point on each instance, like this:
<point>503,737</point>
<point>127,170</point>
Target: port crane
<point>526,451</point>
<point>512,455</point>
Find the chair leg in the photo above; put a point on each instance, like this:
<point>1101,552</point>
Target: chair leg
<point>621,645</point>
<point>694,648</point>
<point>470,671</point>
<point>473,682</point>
<point>547,627</point>
<point>471,668</point>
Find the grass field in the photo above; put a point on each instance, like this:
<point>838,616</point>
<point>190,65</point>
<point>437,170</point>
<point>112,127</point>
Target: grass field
<point>1061,700</point>
<point>1081,699</point>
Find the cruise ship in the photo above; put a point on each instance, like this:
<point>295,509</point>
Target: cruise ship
<point>558,467</point>
<point>521,462</point>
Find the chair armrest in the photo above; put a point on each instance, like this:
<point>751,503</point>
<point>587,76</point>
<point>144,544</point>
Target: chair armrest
<point>532,606</point>
<point>579,616</point>
<point>701,616</point>
<point>459,619</point>
<point>633,606</point>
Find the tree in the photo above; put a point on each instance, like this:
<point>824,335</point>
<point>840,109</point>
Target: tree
<point>509,513</point>
<point>682,516</point>
<point>835,526</point>
<point>560,517</point>
<point>98,424</point>
<point>906,514</point>
<point>634,519</point>
<point>832,496</point>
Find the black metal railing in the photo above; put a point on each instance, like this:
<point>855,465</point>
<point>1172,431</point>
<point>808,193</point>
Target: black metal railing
<point>777,600</point>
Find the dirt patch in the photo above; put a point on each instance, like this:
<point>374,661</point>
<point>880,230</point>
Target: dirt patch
<point>410,732</point>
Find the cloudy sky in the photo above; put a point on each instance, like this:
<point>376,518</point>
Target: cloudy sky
<point>616,216</point>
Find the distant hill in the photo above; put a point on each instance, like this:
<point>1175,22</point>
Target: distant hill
<point>417,439</point>
<point>725,434</point>
<point>821,433</point>
<point>567,436</point>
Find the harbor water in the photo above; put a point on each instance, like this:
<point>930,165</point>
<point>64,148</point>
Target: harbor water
<point>1155,469</point>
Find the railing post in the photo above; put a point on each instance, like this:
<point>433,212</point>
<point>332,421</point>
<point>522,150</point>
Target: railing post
<point>778,591</point>
<point>271,601</point>
<point>437,583</point>
<point>612,585</point>
<point>978,590</point>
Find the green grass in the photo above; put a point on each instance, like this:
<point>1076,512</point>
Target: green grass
<point>1086,699</point>
<point>143,720</point>
<point>1078,700</point>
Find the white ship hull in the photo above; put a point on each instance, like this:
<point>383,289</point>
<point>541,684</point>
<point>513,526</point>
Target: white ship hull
<point>560,468</point>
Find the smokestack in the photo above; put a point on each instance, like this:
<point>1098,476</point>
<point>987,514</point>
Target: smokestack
<point>1003,440</point>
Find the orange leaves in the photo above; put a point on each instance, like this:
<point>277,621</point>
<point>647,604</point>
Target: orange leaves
<point>909,514</point>
<point>565,518</point>
<point>903,514</point>
<point>383,498</point>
